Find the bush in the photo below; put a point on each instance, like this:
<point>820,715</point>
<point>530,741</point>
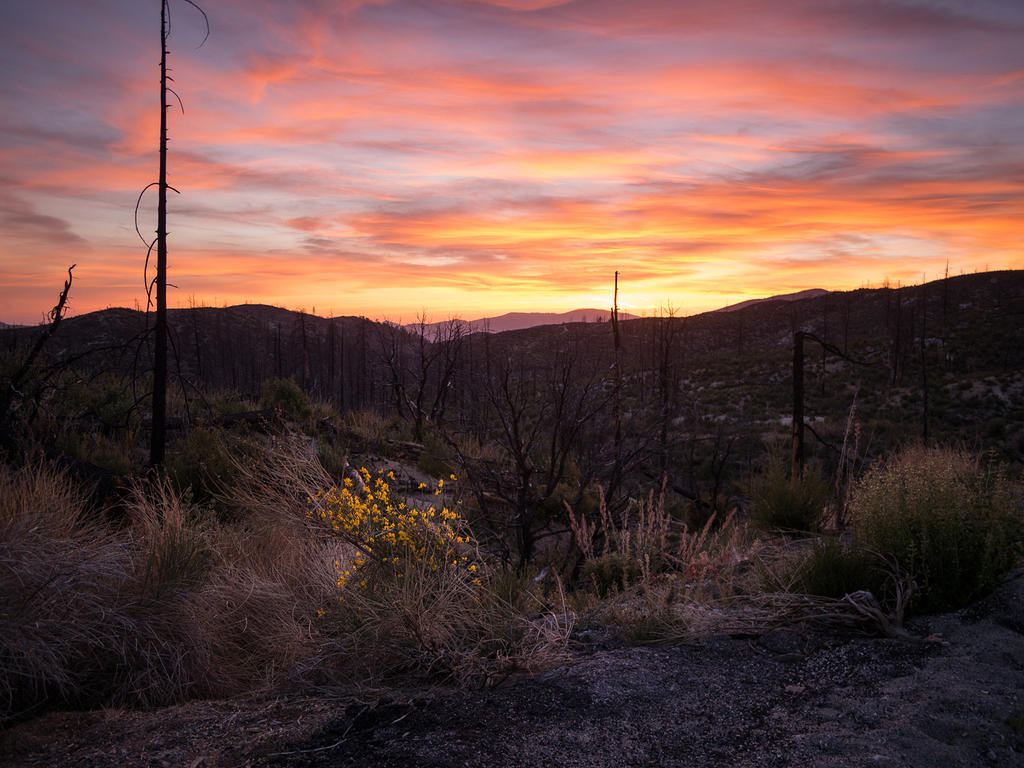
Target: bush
<point>206,460</point>
<point>780,503</point>
<point>950,519</point>
<point>832,570</point>
<point>610,573</point>
<point>288,396</point>
<point>413,600</point>
<point>435,459</point>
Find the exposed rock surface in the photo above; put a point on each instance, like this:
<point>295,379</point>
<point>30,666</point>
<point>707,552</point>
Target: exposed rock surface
<point>953,698</point>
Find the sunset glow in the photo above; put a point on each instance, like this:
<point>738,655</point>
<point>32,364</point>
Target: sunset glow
<point>472,158</point>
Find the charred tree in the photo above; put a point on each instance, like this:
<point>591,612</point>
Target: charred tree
<point>10,392</point>
<point>616,475</point>
<point>797,462</point>
<point>799,424</point>
<point>158,439</point>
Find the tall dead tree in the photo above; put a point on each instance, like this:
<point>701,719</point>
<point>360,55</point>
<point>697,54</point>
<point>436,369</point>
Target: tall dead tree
<point>665,336</point>
<point>616,478</point>
<point>158,437</point>
<point>797,460</point>
<point>799,424</point>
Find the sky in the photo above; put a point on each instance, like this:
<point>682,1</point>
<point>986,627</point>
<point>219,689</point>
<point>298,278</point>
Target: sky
<point>456,158</point>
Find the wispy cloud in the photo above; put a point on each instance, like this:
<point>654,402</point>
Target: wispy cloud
<point>465,155</point>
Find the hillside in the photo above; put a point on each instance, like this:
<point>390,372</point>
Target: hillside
<point>943,359</point>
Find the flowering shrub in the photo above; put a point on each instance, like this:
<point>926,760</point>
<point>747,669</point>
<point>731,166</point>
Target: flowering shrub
<point>390,537</point>
<point>414,600</point>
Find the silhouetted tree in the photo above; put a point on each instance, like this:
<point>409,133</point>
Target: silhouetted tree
<point>616,477</point>
<point>159,433</point>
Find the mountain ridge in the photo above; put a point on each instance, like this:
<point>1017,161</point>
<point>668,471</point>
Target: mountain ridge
<point>519,321</point>
<point>809,293</point>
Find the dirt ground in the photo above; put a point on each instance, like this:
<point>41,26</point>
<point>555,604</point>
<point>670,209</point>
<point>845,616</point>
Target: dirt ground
<point>952,697</point>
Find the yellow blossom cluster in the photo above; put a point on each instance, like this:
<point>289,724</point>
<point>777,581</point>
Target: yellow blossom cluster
<point>390,536</point>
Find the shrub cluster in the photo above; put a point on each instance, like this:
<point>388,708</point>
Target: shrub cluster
<point>781,502</point>
<point>950,519</point>
<point>287,396</point>
<point>942,525</point>
<point>833,570</point>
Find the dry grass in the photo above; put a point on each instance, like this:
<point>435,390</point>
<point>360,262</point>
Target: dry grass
<point>175,604</point>
<point>58,585</point>
<point>683,585</point>
<point>440,627</point>
<point>654,579</point>
<point>277,484</point>
<point>647,544</point>
<point>167,608</point>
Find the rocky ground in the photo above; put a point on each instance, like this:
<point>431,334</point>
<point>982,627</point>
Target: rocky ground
<point>954,696</point>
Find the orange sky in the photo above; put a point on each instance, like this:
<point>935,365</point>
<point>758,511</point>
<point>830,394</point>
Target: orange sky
<point>473,158</point>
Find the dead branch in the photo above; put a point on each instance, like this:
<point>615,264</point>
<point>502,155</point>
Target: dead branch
<point>56,315</point>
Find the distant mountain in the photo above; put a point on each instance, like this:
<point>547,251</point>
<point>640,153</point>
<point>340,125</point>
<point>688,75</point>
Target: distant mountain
<point>810,293</point>
<point>518,321</point>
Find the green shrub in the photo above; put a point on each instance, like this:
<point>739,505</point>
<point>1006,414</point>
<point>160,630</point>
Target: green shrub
<point>89,444</point>
<point>779,502</point>
<point>286,395</point>
<point>950,519</point>
<point>206,460</point>
<point>610,573</point>
<point>832,570</point>
<point>436,459</point>
<point>333,458</point>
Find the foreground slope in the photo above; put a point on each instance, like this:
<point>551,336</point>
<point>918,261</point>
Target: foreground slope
<point>954,696</point>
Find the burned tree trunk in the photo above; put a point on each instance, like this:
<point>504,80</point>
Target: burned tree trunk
<point>158,436</point>
<point>798,406</point>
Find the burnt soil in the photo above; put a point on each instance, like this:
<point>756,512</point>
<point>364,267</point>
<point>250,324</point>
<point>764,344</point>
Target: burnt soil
<point>951,696</point>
